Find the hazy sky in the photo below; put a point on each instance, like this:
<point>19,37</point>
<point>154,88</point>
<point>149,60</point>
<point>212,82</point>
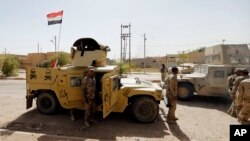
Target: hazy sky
<point>170,25</point>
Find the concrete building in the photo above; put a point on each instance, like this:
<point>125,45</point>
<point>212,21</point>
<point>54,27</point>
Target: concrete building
<point>196,57</point>
<point>228,54</point>
<point>32,59</point>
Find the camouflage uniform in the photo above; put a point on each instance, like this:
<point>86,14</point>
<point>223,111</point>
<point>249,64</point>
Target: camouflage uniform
<point>89,89</point>
<point>230,83</point>
<point>243,101</point>
<point>237,83</point>
<point>163,71</point>
<point>172,96</point>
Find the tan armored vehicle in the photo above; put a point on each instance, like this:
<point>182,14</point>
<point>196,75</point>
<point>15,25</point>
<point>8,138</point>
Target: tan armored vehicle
<point>62,86</point>
<point>211,79</point>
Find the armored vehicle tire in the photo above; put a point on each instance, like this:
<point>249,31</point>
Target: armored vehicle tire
<point>145,109</point>
<point>46,103</point>
<point>185,91</point>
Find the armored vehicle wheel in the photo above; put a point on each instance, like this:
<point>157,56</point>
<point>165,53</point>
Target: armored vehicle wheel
<point>145,109</point>
<point>46,103</point>
<point>185,91</point>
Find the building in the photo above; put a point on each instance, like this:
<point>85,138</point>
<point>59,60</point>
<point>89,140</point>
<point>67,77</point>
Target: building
<point>32,59</point>
<point>228,54</point>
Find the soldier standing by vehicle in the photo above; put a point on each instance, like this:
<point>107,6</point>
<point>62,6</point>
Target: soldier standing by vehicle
<point>163,71</point>
<point>230,81</point>
<point>243,100</point>
<point>89,89</point>
<point>172,95</point>
<point>237,83</point>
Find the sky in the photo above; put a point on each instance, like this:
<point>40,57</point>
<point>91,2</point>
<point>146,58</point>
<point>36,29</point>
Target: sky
<point>170,26</point>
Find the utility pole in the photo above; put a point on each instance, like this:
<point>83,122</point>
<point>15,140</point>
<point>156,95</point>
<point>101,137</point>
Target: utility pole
<point>144,64</point>
<point>5,50</point>
<point>54,42</point>
<point>129,37</point>
<point>38,55</point>
<point>37,47</point>
<point>223,41</point>
<point>126,37</point>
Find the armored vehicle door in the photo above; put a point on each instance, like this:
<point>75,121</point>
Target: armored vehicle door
<point>74,90</point>
<point>217,79</point>
<point>110,88</point>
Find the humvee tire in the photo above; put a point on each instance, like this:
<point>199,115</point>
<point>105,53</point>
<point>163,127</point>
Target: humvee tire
<point>145,109</point>
<point>185,91</point>
<point>46,103</point>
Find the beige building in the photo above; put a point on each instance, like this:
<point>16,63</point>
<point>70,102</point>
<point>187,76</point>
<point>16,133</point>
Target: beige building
<point>196,57</point>
<point>228,54</point>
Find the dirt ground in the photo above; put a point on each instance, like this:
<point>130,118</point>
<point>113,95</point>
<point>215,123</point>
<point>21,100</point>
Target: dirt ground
<point>203,118</point>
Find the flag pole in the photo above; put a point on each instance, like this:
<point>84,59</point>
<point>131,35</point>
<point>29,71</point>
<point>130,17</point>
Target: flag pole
<point>59,37</point>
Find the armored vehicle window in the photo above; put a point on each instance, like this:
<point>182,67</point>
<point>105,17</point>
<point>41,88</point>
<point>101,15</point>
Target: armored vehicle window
<point>75,81</point>
<point>115,83</point>
<point>219,74</point>
<point>200,69</point>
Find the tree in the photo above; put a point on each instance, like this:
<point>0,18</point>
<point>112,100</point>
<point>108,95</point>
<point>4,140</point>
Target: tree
<point>123,67</point>
<point>10,66</point>
<point>63,59</point>
<point>183,56</point>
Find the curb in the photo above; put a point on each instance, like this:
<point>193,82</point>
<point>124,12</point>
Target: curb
<point>17,78</point>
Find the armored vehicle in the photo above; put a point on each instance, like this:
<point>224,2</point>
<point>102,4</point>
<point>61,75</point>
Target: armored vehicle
<point>207,79</point>
<point>62,86</point>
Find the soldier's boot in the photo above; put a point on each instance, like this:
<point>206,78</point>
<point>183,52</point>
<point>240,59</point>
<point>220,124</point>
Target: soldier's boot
<point>241,121</point>
<point>229,110</point>
<point>172,118</point>
<point>72,115</point>
<point>175,118</point>
<point>86,123</point>
<point>171,121</point>
<point>72,118</point>
<point>233,114</point>
<point>93,121</point>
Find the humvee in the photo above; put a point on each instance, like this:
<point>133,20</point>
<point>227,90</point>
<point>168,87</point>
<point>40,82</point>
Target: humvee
<point>62,86</point>
<point>207,80</point>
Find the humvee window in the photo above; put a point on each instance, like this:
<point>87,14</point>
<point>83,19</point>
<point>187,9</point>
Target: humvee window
<point>75,81</point>
<point>219,74</point>
<point>115,83</point>
<point>200,69</point>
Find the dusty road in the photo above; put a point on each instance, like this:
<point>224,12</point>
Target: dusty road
<point>204,118</point>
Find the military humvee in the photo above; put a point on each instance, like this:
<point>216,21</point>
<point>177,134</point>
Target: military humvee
<point>62,86</point>
<point>207,80</point>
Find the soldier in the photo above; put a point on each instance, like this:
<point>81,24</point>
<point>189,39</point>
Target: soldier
<point>89,90</point>
<point>163,71</point>
<point>237,83</point>
<point>172,95</point>
<point>230,81</point>
<point>243,101</point>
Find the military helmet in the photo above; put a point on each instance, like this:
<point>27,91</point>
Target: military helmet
<point>237,70</point>
<point>244,70</point>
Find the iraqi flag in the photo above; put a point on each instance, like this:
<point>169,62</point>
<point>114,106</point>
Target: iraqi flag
<point>55,18</point>
<point>54,63</point>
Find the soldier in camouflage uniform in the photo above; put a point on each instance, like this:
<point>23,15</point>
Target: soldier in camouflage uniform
<point>163,71</point>
<point>172,82</point>
<point>89,90</point>
<point>230,81</point>
<point>237,83</point>
<point>243,101</point>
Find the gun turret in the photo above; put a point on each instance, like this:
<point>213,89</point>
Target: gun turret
<point>87,52</point>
